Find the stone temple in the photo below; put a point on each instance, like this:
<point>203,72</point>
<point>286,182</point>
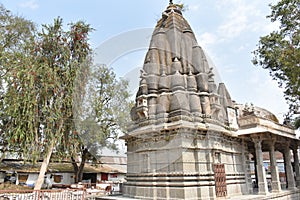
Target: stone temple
<point>189,139</point>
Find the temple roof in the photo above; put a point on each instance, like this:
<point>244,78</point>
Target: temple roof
<point>177,81</point>
<point>246,109</point>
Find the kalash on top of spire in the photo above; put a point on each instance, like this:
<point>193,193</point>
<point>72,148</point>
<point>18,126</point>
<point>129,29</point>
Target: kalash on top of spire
<point>176,80</point>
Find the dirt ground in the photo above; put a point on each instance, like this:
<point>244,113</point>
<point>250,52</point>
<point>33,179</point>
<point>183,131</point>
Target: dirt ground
<point>9,186</point>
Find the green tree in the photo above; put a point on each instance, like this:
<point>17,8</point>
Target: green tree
<point>104,116</point>
<point>15,33</point>
<point>65,55</point>
<point>39,79</point>
<point>279,52</point>
<point>52,98</point>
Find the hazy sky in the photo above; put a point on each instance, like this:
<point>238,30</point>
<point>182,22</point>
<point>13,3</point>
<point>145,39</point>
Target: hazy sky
<point>228,30</point>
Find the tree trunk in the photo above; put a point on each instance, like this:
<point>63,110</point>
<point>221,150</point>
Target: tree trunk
<point>78,170</point>
<point>3,154</point>
<point>85,155</point>
<point>39,182</point>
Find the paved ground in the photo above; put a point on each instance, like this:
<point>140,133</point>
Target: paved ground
<point>278,196</point>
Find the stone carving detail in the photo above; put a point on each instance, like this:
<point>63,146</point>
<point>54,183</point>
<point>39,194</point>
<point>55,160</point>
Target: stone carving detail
<point>248,109</point>
<point>176,80</point>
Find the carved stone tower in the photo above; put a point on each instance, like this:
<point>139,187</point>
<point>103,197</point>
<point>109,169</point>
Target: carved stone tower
<point>182,140</point>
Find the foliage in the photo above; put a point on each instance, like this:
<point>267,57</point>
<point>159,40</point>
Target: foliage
<point>40,72</point>
<point>107,107</point>
<point>15,33</point>
<point>52,98</point>
<point>279,52</point>
<point>104,115</point>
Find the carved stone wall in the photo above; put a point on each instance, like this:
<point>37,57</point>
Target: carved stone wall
<point>181,128</point>
<point>178,164</point>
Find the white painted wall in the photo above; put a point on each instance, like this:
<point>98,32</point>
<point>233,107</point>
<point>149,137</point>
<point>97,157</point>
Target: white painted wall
<point>120,177</point>
<point>67,178</point>
<point>31,179</point>
<point>98,177</point>
<point>2,176</point>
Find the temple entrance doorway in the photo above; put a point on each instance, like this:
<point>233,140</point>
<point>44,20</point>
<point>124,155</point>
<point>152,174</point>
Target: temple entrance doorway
<point>220,180</point>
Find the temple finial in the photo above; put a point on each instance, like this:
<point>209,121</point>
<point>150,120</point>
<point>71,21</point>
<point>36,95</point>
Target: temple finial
<point>171,2</point>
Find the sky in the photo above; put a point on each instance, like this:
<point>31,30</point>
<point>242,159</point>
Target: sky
<point>228,30</point>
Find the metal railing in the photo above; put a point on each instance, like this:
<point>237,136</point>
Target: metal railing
<point>68,194</point>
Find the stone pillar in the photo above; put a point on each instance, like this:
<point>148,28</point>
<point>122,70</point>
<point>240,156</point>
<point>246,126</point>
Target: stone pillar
<point>288,167</point>
<point>255,171</point>
<point>274,168</point>
<point>261,172</point>
<point>286,182</point>
<point>297,168</point>
<point>246,166</point>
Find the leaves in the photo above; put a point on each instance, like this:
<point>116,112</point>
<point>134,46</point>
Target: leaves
<point>39,72</point>
<point>279,52</point>
<point>106,109</point>
<point>50,92</point>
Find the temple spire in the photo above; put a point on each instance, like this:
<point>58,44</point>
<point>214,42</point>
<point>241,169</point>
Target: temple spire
<point>171,2</point>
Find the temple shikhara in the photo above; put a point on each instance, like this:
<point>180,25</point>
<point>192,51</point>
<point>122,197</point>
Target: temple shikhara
<point>190,140</point>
